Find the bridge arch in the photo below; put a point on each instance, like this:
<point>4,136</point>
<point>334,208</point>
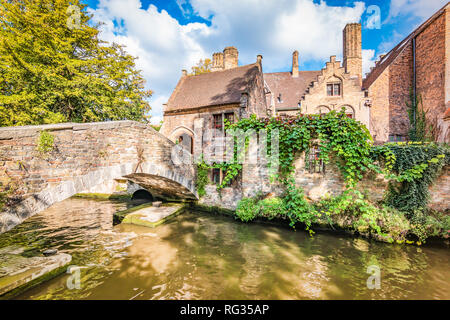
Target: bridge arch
<point>89,155</point>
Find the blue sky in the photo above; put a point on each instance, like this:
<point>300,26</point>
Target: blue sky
<point>168,36</point>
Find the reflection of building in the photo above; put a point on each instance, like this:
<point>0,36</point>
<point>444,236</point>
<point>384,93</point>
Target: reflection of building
<point>421,64</point>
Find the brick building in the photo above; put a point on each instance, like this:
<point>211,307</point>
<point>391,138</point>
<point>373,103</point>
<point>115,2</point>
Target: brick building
<point>335,87</point>
<point>230,91</point>
<point>419,64</point>
<point>195,113</point>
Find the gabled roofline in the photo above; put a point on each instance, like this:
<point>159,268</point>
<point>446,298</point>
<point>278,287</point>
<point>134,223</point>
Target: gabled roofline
<point>395,52</point>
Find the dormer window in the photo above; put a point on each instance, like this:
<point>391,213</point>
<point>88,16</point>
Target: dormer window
<point>334,89</point>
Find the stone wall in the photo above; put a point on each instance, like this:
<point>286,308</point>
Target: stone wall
<point>440,191</point>
<point>84,157</point>
<point>254,179</point>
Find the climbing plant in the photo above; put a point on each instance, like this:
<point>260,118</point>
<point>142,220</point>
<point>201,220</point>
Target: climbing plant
<point>417,118</point>
<point>45,143</point>
<point>346,138</point>
<point>416,167</point>
<point>202,178</point>
<point>409,167</point>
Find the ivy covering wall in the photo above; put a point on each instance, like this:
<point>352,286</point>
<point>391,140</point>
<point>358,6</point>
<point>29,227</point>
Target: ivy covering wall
<point>410,168</point>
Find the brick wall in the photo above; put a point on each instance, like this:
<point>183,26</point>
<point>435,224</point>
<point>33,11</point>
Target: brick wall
<point>430,68</point>
<point>432,80</point>
<point>379,112</point>
<point>400,84</point>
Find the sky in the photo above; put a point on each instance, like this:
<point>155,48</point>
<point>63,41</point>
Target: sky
<point>171,35</point>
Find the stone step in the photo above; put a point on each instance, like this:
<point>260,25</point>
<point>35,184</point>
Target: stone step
<point>19,273</point>
<point>153,216</point>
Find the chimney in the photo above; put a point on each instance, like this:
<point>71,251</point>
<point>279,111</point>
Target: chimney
<point>295,64</point>
<point>230,57</point>
<point>184,73</point>
<point>217,63</point>
<point>259,61</point>
<point>353,50</point>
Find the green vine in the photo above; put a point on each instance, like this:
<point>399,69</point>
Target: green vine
<point>45,143</point>
<point>202,178</point>
<point>337,134</point>
<point>416,167</point>
<point>409,167</point>
<point>417,118</point>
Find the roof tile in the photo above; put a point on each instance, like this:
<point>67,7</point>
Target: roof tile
<point>213,88</point>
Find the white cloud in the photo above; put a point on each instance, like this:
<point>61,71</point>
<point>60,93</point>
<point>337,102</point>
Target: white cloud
<point>418,8</point>
<point>272,28</point>
<point>368,60</point>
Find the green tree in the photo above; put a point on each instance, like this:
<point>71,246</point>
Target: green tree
<point>203,66</point>
<point>54,68</point>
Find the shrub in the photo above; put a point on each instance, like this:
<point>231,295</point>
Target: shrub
<point>46,142</point>
<point>297,208</point>
<point>426,223</point>
<point>202,178</point>
<point>416,167</point>
<point>272,208</point>
<point>247,209</point>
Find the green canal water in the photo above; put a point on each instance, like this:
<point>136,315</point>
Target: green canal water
<point>199,256</point>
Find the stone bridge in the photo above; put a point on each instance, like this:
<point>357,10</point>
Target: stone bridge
<point>88,157</point>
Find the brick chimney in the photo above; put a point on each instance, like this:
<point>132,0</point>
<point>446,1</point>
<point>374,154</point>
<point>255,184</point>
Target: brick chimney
<point>230,57</point>
<point>217,63</point>
<point>353,50</point>
<point>295,64</point>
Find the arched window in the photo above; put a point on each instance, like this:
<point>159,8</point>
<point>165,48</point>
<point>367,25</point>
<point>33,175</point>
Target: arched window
<point>184,137</point>
<point>322,109</point>
<point>186,142</point>
<point>349,111</point>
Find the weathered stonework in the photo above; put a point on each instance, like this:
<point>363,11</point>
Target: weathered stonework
<point>352,98</point>
<point>85,156</point>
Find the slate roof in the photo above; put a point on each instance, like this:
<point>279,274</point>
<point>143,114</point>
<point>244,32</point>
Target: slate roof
<point>291,89</point>
<point>213,88</point>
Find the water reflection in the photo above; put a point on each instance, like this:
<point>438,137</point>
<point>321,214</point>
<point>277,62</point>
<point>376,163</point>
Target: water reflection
<point>197,256</point>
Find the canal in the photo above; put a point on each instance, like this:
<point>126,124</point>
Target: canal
<point>201,256</point>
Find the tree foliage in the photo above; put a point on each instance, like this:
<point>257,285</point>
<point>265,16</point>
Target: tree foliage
<point>54,68</point>
<point>203,66</point>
